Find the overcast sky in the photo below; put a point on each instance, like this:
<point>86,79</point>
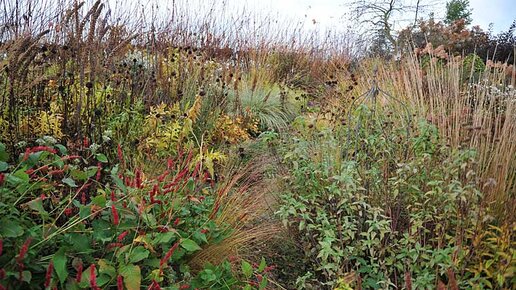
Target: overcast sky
<point>331,14</point>
<point>328,13</point>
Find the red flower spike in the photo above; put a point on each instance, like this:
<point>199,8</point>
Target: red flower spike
<point>68,211</point>
<point>177,221</point>
<point>2,274</point>
<point>170,163</point>
<point>196,170</point>
<point>1,246</point>
<point>99,171</point>
<point>165,259</point>
<point>41,148</point>
<point>114,245</point>
<point>2,178</point>
<point>185,286</point>
<point>120,282</point>
<point>120,155</point>
<point>24,249</point>
<point>48,275</point>
<point>116,218</point>
<point>154,286</point>
<point>93,278</point>
<point>56,172</point>
<point>79,273</point>
<point>70,157</point>
<point>163,176</point>
<point>138,178</point>
<point>122,236</point>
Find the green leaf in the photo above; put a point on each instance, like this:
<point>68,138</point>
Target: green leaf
<point>102,158</point>
<point>99,200</point>
<point>263,283</point>
<point>26,276</point>
<point>119,183</point>
<point>10,228</point>
<point>139,253</point>
<point>81,242</point>
<point>190,184</point>
<point>4,156</point>
<point>190,245</point>
<point>247,269</point>
<point>105,267</point>
<point>62,149</point>
<point>3,166</point>
<point>132,276</point>
<point>68,181</point>
<point>37,205</point>
<point>262,265</point>
<point>198,236</point>
<point>59,260</point>
<point>84,211</point>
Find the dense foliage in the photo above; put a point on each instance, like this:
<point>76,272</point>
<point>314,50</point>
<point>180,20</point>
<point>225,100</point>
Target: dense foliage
<point>188,157</point>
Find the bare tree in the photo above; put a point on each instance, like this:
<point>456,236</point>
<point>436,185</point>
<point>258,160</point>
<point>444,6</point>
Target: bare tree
<point>380,16</point>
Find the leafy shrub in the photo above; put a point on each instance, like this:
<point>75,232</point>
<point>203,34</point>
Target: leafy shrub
<point>84,222</point>
<point>386,218</point>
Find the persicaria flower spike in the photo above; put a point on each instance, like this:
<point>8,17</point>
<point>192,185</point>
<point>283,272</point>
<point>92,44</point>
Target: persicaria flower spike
<point>24,249</point>
<point>116,218</point>
<point>48,276</point>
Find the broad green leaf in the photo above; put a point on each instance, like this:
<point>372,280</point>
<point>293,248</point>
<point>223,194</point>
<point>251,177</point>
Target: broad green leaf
<point>81,242</point>
<point>263,283</point>
<point>99,200</point>
<point>102,230</point>
<point>37,205</point>
<point>105,267</point>
<point>262,265</point>
<point>79,174</point>
<point>198,236</point>
<point>10,228</point>
<point>62,149</point>
<point>4,156</point>
<point>84,211</point>
<point>132,276</point>
<point>190,245</point>
<point>59,260</point>
<point>68,181</point>
<point>119,183</point>
<point>247,269</point>
<point>3,166</point>
<point>101,157</point>
<point>137,254</point>
<point>103,279</point>
<point>26,276</point>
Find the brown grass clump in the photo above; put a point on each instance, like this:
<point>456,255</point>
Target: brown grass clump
<point>245,208</point>
<point>471,110</point>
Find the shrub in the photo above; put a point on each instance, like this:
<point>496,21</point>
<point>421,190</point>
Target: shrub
<point>384,218</point>
<point>85,222</point>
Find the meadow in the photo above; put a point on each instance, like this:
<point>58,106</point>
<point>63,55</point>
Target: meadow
<point>139,152</point>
